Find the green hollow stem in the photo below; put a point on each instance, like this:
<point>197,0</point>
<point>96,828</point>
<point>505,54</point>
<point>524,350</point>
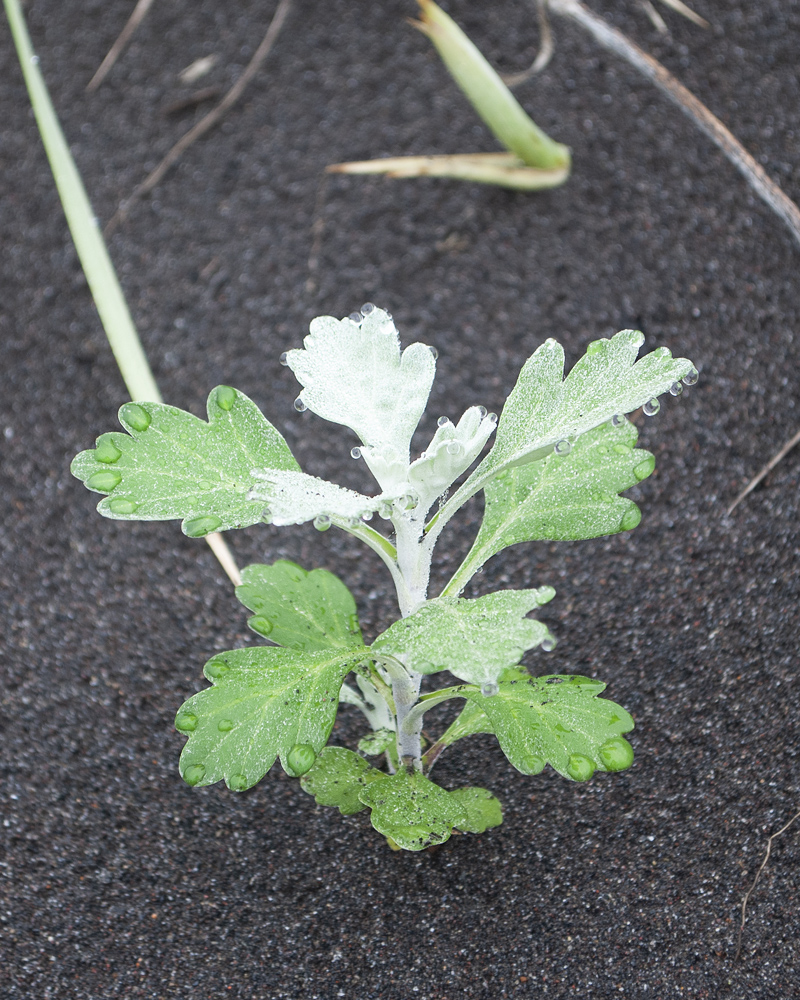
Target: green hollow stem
<point>89,243</point>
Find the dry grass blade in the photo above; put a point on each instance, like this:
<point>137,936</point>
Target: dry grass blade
<point>544,55</point>
<point>752,888</point>
<point>136,18</point>
<point>765,471</point>
<point>680,8</point>
<point>754,173</point>
<point>656,19</point>
<point>210,120</point>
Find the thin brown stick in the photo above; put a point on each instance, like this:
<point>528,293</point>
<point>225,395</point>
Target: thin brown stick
<point>210,120</point>
<point>751,890</point>
<point>754,174</point>
<point>543,56</point>
<point>765,471</point>
<point>136,18</point>
<point>191,100</point>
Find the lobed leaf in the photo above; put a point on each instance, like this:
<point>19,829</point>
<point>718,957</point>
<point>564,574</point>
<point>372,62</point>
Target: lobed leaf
<point>572,496</point>
<point>544,408</point>
<point>265,703</point>
<point>558,721</point>
<point>472,720</point>
<point>416,813</point>
<point>171,464</point>
<point>289,497</point>
<point>337,779</point>
<point>299,609</point>
<point>473,639</point>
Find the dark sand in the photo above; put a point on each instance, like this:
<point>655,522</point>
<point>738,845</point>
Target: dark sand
<point>120,881</point>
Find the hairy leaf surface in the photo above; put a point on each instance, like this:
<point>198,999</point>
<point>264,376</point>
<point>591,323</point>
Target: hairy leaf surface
<point>289,497</point>
<point>171,464</point>
<point>416,813</point>
<point>266,702</point>
<point>558,721</point>
<point>544,408</point>
<point>472,720</point>
<point>337,779</point>
<point>299,609</point>
<point>473,639</point>
<point>572,496</point>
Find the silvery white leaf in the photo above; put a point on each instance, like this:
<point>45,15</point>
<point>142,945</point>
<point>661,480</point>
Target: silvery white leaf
<point>354,374</point>
<point>295,497</point>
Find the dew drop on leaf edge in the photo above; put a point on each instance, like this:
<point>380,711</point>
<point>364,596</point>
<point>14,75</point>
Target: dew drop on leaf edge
<point>226,397</point>
<point>532,764</point>
<point>200,526</point>
<point>106,480</point>
<point>580,767</point>
<point>122,506</point>
<point>225,725</point>
<point>322,522</point>
<point>194,774</point>
<point>549,644</point>
<point>631,519</point>
<point>489,689</point>
<point>651,407</point>
<point>300,759</point>
<point>299,405</point>
<point>691,377</point>
<point>237,783</point>
<point>675,389</point>
<point>136,416</point>
<point>616,754</point>
<point>260,624</point>
<point>106,451</point>
<point>216,669</point>
<point>645,468</point>
<point>562,447</point>
<point>186,722</point>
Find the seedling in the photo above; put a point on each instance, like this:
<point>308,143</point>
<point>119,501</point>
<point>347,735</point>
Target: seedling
<point>562,455</point>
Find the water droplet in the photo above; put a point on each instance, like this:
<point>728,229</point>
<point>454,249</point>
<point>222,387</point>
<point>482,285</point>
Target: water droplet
<point>482,411</point>
<point>216,669</point>
<point>122,507</point>
<point>367,515</point>
<point>266,515</point>
<point>237,783</point>
<point>617,419</point>
<point>388,314</point>
<point>226,397</point>
<point>489,689</point>
<point>299,405</point>
<point>562,448</point>
<point>352,624</point>
<point>623,449</point>
<point>442,421</point>
<point>549,644</point>
<point>691,377</point>
<point>355,317</point>
<point>225,725</point>
<point>595,347</point>
<point>651,407</point>
<point>645,468</point>
<point>409,501</point>
<point>580,767</point>
<point>631,519</point>
<point>367,308</point>
<point>434,352</point>
<point>106,451</point>
<point>300,759</point>
<point>616,754</point>
<point>35,60</point>
<point>322,522</point>
<point>662,352</point>
<point>454,448</point>
<point>186,722</point>
<point>531,764</point>
<point>492,418</point>
<point>284,358</point>
<point>204,485</point>
<point>675,389</point>
<point>200,526</point>
<point>355,453</point>
<point>135,416</point>
<point>260,624</point>
<point>105,481</point>
<point>385,510</point>
<point>194,774</point>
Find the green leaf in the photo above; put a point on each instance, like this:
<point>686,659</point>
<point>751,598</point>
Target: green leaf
<point>481,809</point>
<point>472,720</point>
<point>546,409</point>
<point>171,464</point>
<point>353,373</point>
<point>558,721</point>
<point>377,742</point>
<point>266,702</point>
<point>473,639</point>
<point>572,496</point>
<point>415,813</point>
<point>338,777</point>
<point>299,609</point>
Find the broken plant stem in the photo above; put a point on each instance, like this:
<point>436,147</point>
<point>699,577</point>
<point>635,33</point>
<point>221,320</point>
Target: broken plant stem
<point>543,56</point>
<point>752,888</point>
<point>136,18</point>
<point>765,471</point>
<point>754,174</point>
<point>209,121</point>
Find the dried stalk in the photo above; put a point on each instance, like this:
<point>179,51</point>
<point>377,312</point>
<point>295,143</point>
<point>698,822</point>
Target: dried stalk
<point>136,18</point>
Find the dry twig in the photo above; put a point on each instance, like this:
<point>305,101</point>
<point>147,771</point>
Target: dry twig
<point>210,120</point>
<point>679,7</point>
<point>543,56</point>
<point>767,469</point>
<point>136,18</point>
<point>754,173</point>
<point>751,890</point>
